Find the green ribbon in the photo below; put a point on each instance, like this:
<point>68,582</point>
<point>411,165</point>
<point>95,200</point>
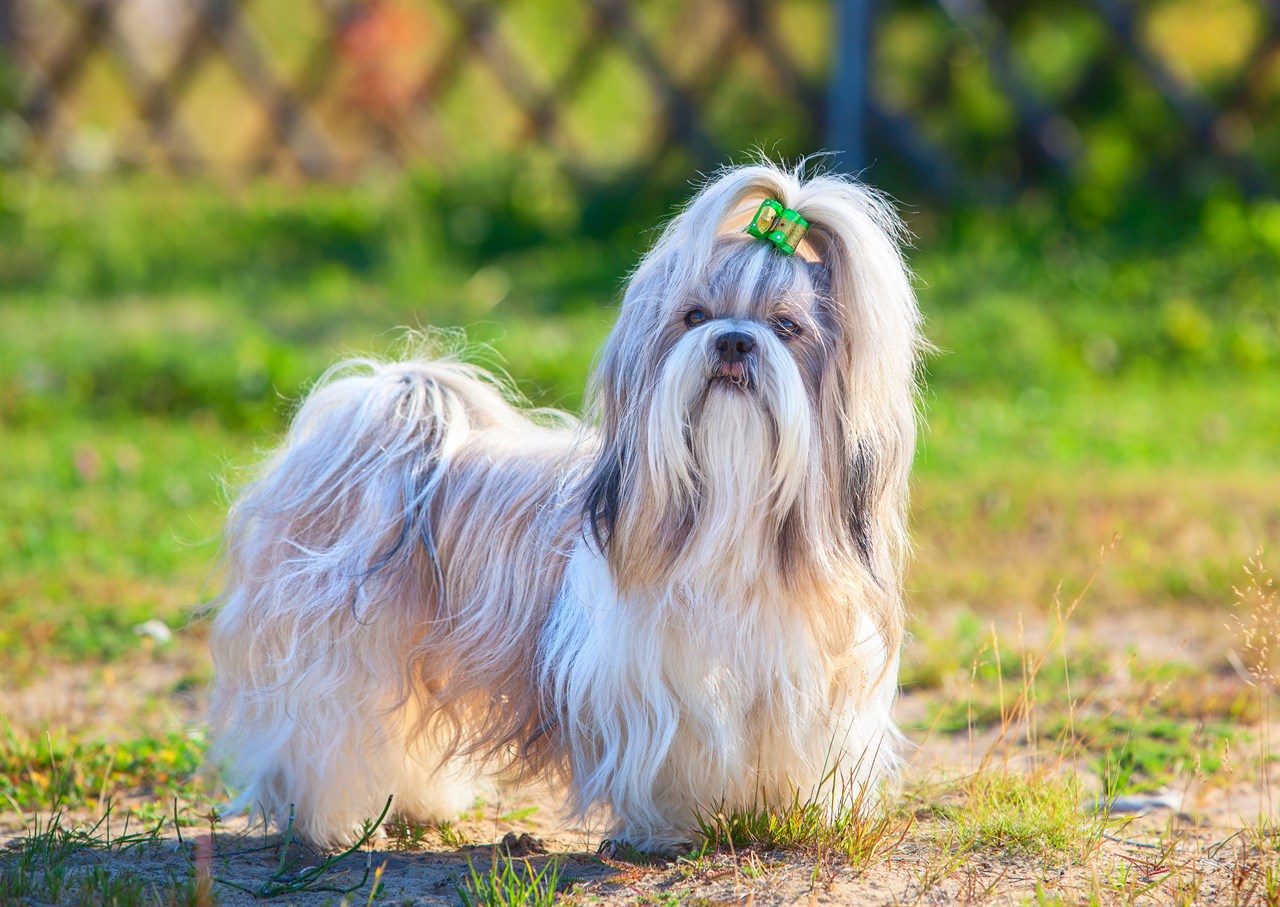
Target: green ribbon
<point>781,226</point>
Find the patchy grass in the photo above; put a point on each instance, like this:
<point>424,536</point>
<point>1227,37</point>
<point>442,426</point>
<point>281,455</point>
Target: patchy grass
<point>1128,389</point>
<point>43,865</point>
<point>59,770</point>
<point>1139,725</point>
<point>1140,722</point>
<point>838,819</point>
<point>1038,815</point>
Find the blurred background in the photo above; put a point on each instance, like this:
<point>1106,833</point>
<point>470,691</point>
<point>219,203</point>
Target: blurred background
<point>204,202</point>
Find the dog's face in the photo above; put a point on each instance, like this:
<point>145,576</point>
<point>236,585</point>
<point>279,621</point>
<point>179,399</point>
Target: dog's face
<point>741,358</point>
<point>719,438</point>
<point>755,313</point>
<point>756,403</point>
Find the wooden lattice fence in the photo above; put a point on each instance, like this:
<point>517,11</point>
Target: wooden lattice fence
<point>960,95</point>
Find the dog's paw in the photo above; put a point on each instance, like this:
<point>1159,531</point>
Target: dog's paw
<point>623,851</point>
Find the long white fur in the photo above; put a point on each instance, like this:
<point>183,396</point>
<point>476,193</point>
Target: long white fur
<point>694,598</point>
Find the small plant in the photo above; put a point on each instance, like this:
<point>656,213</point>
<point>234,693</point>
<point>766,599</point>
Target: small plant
<point>947,860</point>
<point>40,864</point>
<point>1257,624</point>
<point>838,817</point>
<point>406,835</point>
<point>450,836</point>
<point>506,886</point>
<point>1046,898</point>
<point>121,889</point>
<point>289,879</point>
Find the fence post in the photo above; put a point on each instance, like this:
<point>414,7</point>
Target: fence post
<point>850,84</point>
<point>8,40</point>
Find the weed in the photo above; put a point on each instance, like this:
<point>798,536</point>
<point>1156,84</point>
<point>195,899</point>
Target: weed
<point>944,862</point>
<point>450,836</point>
<point>404,834</point>
<point>1128,885</point>
<point>288,878</point>
<point>506,886</point>
<point>1257,624</point>
<point>1270,883</point>
<point>119,889</point>
<point>41,862</point>
<point>751,867</point>
<point>1045,898</point>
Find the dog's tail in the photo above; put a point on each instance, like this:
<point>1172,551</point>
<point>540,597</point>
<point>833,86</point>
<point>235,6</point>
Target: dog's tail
<point>330,580</point>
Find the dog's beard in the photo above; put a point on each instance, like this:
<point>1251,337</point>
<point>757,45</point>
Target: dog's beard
<point>725,458</point>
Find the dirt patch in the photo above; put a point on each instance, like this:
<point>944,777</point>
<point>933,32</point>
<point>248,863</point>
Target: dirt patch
<point>1196,855</point>
<point>1196,841</point>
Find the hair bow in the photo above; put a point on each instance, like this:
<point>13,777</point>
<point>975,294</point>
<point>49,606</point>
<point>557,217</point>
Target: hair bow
<point>781,226</point>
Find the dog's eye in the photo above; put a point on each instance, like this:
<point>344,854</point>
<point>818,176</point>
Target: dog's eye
<point>695,318</point>
<point>785,327</point>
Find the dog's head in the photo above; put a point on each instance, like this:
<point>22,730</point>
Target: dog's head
<point>758,409</point>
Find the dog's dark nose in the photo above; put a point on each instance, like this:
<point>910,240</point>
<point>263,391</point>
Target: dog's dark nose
<point>734,345</point>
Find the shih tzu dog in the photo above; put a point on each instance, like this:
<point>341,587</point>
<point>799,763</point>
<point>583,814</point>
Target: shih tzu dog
<point>691,599</point>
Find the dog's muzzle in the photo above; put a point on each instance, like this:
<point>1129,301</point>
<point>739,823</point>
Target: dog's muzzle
<point>731,355</point>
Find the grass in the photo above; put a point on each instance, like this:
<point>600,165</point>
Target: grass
<point>1030,796</point>
<point>1164,719</point>
<point>43,863</point>
<point>999,812</point>
<point>1037,815</point>
<point>140,367</point>
<point>300,870</point>
<point>836,820</point>
<point>57,770</point>
<point>505,885</point>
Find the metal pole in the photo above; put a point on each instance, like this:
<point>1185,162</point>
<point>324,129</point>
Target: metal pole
<point>8,36</point>
<point>850,84</point>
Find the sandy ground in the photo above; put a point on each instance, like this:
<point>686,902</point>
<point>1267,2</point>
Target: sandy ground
<point>1191,853</point>
<point>1190,845</point>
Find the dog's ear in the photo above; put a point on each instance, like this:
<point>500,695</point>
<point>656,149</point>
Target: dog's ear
<point>858,501</point>
<point>602,496</point>
<point>855,239</point>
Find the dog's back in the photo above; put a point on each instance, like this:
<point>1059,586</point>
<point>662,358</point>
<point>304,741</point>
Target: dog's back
<point>360,578</point>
